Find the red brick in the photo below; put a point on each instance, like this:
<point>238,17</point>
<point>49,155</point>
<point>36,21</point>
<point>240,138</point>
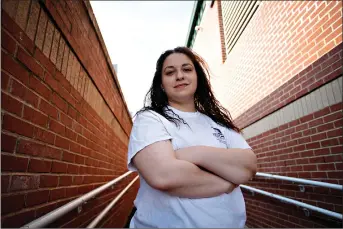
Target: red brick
<point>78,128</point>
<point>18,126</point>
<point>35,116</point>
<point>70,134</point>
<point>322,151</point>
<point>40,211</point>
<point>59,102</point>
<point>7,42</point>
<point>66,120</point>
<point>335,174</point>
<point>59,167</point>
<point>336,149</point>
<point>304,140</point>
<point>81,140</point>
<point>339,166</point>
<point>325,127</point>
<point>14,68</point>
<point>310,167</point>
<point>13,163</point>
<point>333,117</point>
<point>316,160</point>
<point>329,142</point>
<point>333,158</point>
<point>11,105</point>
<point>45,62</point>
<point>36,198</point>
<point>65,180</point>
<point>44,136</point>
<point>48,109</point>
<point>74,147</point>
<point>77,180</point>
<point>30,62</point>
<point>24,182</point>
<point>39,87</point>
<point>56,127</point>
<point>318,137</point>
<point>69,157</point>
<point>62,142</point>
<point>326,167</point>
<point>335,133</point>
<point>31,98</point>
<point>338,123</point>
<point>336,107</point>
<point>84,189</point>
<point>17,89</point>
<point>8,143</point>
<point>73,169</point>
<point>19,219</point>
<point>79,159</point>
<point>72,112</point>
<point>48,181</point>
<point>30,148</point>
<point>71,192</point>
<point>16,32</point>
<point>39,165</point>
<point>12,203</point>
<point>49,80</point>
<point>322,112</point>
<point>301,127</point>
<point>5,183</point>
<point>56,194</point>
<point>63,81</point>
<point>5,78</point>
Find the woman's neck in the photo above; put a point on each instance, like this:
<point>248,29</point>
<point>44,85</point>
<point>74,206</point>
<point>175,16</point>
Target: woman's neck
<point>186,107</point>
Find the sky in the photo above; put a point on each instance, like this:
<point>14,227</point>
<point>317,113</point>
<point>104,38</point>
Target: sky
<point>136,33</point>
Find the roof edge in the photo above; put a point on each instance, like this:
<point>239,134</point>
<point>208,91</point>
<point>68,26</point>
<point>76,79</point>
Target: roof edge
<point>194,18</point>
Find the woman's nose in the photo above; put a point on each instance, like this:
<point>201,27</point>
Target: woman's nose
<point>179,75</point>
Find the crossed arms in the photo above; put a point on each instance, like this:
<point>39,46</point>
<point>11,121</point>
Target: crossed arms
<point>178,172</point>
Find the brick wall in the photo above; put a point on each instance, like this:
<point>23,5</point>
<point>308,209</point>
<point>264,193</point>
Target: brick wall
<point>309,148</point>
<point>65,124</point>
<point>282,39</point>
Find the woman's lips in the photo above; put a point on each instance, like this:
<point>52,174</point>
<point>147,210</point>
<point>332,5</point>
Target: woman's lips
<point>181,86</point>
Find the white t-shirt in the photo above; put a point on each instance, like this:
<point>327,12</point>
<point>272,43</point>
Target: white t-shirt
<point>156,208</point>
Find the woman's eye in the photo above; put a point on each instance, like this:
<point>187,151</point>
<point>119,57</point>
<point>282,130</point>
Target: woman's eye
<point>169,73</point>
<point>187,69</point>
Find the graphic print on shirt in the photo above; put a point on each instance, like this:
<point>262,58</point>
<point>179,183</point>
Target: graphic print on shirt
<point>219,136</point>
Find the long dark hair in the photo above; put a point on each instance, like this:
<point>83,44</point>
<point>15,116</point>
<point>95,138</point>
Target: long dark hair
<point>204,100</point>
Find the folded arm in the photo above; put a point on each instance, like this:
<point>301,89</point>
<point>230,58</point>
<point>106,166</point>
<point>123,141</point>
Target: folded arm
<point>161,169</point>
<point>235,165</point>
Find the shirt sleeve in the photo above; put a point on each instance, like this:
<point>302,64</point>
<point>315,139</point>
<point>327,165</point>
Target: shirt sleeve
<point>235,140</point>
<point>147,129</point>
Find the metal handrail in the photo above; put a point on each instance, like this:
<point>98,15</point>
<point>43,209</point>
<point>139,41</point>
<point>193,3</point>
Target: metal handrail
<point>302,181</point>
<point>57,213</point>
<point>108,207</point>
<point>295,202</point>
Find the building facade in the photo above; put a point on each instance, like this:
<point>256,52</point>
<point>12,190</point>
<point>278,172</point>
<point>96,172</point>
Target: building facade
<point>64,122</point>
<point>277,67</point>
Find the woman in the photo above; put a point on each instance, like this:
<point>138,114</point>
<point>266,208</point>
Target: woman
<point>187,151</point>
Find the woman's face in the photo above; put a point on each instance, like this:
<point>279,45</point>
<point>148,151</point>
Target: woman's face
<point>179,78</point>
